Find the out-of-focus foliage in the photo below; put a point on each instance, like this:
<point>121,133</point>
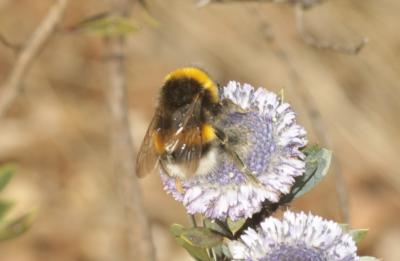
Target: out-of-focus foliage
<point>10,228</point>
<point>105,24</point>
<point>318,161</point>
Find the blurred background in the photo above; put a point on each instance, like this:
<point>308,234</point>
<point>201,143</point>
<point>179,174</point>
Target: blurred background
<point>58,128</point>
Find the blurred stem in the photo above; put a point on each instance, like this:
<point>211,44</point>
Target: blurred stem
<point>306,97</point>
<point>299,7</point>
<point>210,251</point>
<point>12,87</point>
<point>14,47</point>
<point>138,241</point>
<point>321,132</point>
<point>320,44</point>
<point>193,220</point>
<point>214,255</point>
<point>303,3</point>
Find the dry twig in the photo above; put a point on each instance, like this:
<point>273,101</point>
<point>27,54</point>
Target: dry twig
<point>299,7</point>
<point>11,88</point>
<point>320,44</point>
<point>321,132</point>
<point>14,47</point>
<point>303,3</point>
<point>135,225</point>
<point>316,120</point>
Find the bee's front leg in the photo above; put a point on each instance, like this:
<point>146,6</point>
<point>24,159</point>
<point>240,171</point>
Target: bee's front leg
<point>230,106</point>
<point>222,137</point>
<point>225,144</point>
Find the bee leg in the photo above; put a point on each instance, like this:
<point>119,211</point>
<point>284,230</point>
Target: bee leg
<point>223,138</point>
<point>236,158</point>
<point>178,182</point>
<point>246,171</point>
<point>231,106</point>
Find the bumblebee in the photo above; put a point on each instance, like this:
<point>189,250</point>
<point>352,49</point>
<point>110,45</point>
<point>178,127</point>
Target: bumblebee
<point>184,137</point>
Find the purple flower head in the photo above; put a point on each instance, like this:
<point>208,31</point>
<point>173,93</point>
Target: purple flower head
<point>298,237</point>
<point>271,152</point>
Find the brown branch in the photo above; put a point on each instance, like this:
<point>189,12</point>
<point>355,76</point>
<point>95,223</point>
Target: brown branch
<point>202,3</point>
<point>299,7</point>
<point>12,87</point>
<point>136,227</point>
<point>14,47</point>
<point>321,132</point>
<point>304,3</point>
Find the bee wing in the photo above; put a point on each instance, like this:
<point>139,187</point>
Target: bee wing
<point>186,143</point>
<point>147,159</point>
<point>188,150</point>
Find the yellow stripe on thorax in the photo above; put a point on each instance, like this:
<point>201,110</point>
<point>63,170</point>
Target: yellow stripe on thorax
<point>198,75</point>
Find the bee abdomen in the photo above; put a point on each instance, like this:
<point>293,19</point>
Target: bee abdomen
<point>170,142</point>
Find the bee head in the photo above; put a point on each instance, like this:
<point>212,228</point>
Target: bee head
<point>183,85</point>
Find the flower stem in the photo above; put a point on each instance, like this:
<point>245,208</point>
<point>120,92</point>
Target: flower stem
<point>193,220</point>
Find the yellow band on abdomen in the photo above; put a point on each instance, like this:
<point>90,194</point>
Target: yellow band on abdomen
<point>207,133</point>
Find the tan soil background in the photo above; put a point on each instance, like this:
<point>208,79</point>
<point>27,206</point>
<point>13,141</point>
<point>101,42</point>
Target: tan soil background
<point>58,128</point>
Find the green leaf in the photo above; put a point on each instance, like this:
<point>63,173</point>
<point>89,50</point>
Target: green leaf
<point>235,226</point>
<point>4,208</point>
<point>358,234</point>
<point>176,230</point>
<point>196,240</point>
<point>6,173</point>
<point>105,24</point>
<point>226,252</point>
<point>344,227</point>
<point>368,258</point>
<point>201,237</point>
<point>196,252</point>
<point>150,20</point>
<point>218,252</point>
<point>16,227</point>
<point>317,166</point>
<point>217,227</point>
